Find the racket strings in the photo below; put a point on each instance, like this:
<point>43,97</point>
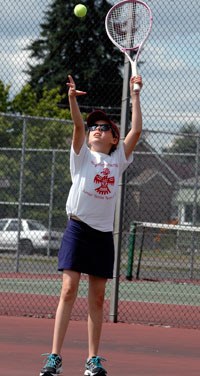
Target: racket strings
<point>129,25</point>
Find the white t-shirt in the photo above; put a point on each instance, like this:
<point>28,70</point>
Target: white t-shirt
<point>95,177</point>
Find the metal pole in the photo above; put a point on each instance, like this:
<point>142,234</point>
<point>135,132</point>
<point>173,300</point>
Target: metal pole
<point>140,254</point>
<point>131,250</point>
<point>51,199</point>
<point>119,206</point>
<point>194,211</point>
<point>21,185</point>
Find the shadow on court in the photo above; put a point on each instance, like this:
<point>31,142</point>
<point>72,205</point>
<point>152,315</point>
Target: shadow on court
<point>130,350</point>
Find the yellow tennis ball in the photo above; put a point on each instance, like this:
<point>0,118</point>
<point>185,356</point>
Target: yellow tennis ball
<point>80,10</point>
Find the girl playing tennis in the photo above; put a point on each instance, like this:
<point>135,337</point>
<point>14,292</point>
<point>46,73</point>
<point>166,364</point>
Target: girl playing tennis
<point>97,160</point>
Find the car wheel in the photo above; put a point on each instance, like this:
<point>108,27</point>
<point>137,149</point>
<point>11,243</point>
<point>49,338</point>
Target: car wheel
<point>26,247</point>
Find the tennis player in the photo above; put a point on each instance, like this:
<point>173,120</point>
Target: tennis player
<point>97,160</point>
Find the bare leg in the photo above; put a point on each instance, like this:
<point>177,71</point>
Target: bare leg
<point>95,317</point>
<point>65,305</point>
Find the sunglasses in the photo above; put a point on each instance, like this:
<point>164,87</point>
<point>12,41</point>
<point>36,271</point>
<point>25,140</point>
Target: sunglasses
<point>103,127</point>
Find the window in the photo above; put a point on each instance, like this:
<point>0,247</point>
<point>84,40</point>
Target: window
<point>189,214</point>
<point>13,226</point>
<point>2,223</point>
<point>36,226</point>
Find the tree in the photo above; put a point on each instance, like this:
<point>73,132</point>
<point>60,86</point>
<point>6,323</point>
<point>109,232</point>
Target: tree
<point>41,134</point>
<point>4,97</point>
<point>185,142</point>
<point>80,47</point>
<point>27,103</point>
<point>185,145</point>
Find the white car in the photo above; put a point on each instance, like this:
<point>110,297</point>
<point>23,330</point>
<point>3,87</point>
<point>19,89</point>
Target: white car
<point>32,236</point>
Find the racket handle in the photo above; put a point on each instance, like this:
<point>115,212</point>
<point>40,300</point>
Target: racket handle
<point>136,87</point>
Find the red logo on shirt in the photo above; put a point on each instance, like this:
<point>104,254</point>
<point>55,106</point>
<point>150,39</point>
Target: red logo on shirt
<point>104,181</point>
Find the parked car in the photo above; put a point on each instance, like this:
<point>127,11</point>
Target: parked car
<point>33,236</point>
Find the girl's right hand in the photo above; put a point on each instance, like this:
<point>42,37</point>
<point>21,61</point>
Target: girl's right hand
<point>72,88</point>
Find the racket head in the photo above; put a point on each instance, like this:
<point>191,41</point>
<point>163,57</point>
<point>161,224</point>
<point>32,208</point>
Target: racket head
<point>128,24</point>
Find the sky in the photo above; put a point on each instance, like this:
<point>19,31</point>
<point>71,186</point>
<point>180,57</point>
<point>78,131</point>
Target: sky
<point>171,56</point>
<point>19,25</point>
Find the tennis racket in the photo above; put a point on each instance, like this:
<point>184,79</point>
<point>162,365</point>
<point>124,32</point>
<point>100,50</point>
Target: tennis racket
<point>128,25</point>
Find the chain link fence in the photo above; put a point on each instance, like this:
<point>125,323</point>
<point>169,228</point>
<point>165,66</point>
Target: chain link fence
<point>157,223</point>
<point>159,258</point>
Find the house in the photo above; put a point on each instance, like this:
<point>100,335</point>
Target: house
<point>186,198</point>
<point>150,186</point>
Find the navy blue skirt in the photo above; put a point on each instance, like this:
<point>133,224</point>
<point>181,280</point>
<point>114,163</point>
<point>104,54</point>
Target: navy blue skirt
<point>86,250</point>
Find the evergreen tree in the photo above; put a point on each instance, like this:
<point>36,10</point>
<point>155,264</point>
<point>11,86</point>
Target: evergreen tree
<point>185,142</point>
<point>80,47</point>
<point>4,97</point>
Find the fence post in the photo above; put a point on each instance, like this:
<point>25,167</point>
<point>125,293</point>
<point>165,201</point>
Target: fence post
<point>140,254</point>
<point>119,206</point>
<point>131,250</point>
<point>21,188</point>
<point>195,204</point>
<point>52,183</point>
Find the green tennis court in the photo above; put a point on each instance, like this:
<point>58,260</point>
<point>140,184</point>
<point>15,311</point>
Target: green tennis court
<point>152,292</point>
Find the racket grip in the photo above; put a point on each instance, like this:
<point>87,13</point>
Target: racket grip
<point>136,87</point>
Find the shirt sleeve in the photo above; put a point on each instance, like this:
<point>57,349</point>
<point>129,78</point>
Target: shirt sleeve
<point>77,160</point>
<point>123,161</point>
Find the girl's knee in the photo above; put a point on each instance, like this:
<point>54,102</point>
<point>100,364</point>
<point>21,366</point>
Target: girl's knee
<point>97,291</point>
<point>68,293</point>
<point>98,300</point>
<point>69,285</point>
